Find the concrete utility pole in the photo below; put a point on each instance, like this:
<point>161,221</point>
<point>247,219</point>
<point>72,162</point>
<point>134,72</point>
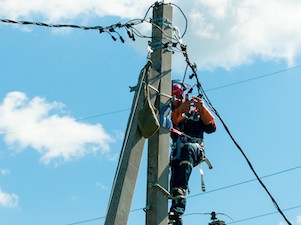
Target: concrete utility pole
<point>159,143</point>
<point>128,166</point>
<point>158,147</point>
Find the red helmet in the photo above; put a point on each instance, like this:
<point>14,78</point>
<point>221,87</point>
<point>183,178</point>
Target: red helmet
<point>177,90</point>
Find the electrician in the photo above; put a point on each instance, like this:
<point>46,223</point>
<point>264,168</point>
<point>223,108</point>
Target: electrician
<point>191,118</point>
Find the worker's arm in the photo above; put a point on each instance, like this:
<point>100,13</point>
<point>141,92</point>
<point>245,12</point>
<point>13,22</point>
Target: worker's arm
<point>178,114</point>
<point>205,114</point>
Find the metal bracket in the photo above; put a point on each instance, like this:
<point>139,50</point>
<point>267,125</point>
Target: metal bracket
<point>162,189</point>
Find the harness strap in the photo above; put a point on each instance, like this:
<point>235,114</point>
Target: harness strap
<point>202,178</point>
<point>204,158</point>
<point>180,133</point>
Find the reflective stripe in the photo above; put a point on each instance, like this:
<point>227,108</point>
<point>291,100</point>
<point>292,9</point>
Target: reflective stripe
<point>186,162</point>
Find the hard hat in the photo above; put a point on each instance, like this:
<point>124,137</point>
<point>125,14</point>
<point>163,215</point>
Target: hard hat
<point>177,89</point>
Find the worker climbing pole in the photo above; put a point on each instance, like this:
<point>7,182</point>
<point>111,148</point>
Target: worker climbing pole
<point>152,95</point>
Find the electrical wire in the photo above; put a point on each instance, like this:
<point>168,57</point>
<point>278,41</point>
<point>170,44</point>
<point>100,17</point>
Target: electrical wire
<point>204,96</point>
<point>59,124</point>
<point>86,221</point>
<point>186,21</point>
<point>244,182</point>
<point>128,26</point>
<point>266,214</point>
<point>224,214</point>
<point>102,29</point>
<point>207,90</point>
<point>111,29</point>
<point>52,25</point>
<point>254,78</point>
<point>207,192</point>
<point>245,219</point>
<point>242,152</point>
<point>244,155</point>
<point>191,214</point>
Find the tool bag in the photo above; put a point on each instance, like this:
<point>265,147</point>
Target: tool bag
<point>148,116</point>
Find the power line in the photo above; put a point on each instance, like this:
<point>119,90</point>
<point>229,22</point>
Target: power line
<point>107,29</point>
<point>254,78</point>
<point>245,219</point>
<point>110,30</point>
<point>77,119</point>
<point>207,90</point>
<point>244,182</point>
<point>218,189</point>
<point>86,221</point>
<point>191,214</point>
<point>266,214</point>
<point>100,28</point>
<point>244,155</point>
<point>203,95</point>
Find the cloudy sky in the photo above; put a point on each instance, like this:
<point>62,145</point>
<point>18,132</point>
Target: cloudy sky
<point>65,100</point>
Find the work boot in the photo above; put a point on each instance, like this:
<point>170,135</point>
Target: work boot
<point>174,219</point>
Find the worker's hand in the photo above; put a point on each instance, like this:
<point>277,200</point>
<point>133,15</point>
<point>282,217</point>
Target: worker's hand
<point>197,102</point>
<point>185,107</point>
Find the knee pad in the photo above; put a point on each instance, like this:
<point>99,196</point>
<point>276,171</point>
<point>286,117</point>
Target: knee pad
<point>178,193</point>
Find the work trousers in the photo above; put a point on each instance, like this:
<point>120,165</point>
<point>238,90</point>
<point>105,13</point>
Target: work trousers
<point>190,155</point>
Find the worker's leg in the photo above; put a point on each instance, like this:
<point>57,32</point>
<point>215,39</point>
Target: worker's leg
<point>180,173</point>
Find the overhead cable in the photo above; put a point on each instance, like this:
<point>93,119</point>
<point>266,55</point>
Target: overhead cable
<point>107,29</point>
<point>202,94</point>
<point>244,182</point>
<point>190,214</point>
<point>52,25</point>
<point>255,78</point>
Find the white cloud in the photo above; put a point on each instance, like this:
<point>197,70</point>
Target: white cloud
<point>221,33</point>
<point>229,33</point>
<point>8,200</point>
<point>298,220</point>
<point>57,10</point>
<point>37,124</point>
<point>4,172</point>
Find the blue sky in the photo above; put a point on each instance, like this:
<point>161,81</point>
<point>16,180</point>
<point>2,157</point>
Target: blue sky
<point>65,102</point>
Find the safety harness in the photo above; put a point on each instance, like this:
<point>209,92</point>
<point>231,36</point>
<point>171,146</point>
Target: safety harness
<point>179,143</point>
<point>181,140</point>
